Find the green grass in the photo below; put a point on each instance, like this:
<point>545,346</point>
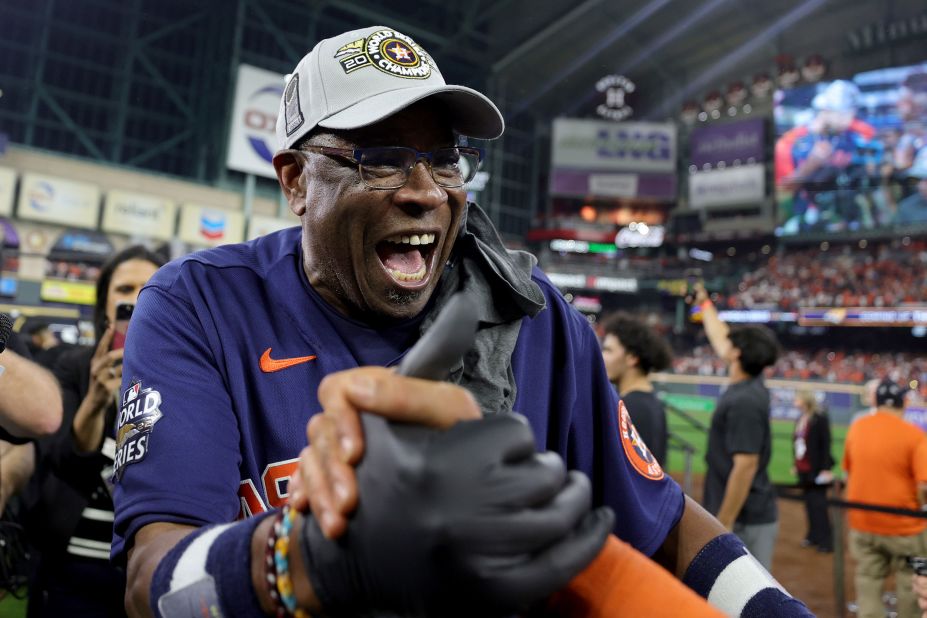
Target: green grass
<point>779,466</point>
<point>11,607</point>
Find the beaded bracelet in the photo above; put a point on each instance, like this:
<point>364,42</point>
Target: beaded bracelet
<point>282,526</point>
<point>271,569</point>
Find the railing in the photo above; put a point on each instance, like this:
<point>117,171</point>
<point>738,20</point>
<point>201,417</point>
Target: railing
<point>688,451</point>
<point>677,443</point>
<point>789,492</point>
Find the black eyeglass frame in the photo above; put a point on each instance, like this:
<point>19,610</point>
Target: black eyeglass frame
<point>356,156</point>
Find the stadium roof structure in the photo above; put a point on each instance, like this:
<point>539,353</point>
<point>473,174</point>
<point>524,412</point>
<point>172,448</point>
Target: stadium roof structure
<point>147,83</point>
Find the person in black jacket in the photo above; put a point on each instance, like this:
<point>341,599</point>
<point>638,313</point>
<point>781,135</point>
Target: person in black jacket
<point>72,517</point>
<point>631,350</point>
<point>813,463</point>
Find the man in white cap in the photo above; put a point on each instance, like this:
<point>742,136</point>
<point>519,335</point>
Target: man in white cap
<point>232,350</point>
<point>825,161</point>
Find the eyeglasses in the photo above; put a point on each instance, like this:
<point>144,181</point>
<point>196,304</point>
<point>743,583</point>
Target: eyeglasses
<point>388,167</point>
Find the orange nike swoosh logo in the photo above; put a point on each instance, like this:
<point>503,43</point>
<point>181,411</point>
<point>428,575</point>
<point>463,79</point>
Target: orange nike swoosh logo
<point>269,365</point>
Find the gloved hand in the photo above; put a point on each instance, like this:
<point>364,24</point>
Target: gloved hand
<point>470,521</point>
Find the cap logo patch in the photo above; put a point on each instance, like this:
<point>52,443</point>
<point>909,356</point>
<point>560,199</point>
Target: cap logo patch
<point>388,51</point>
<point>635,450</point>
<point>292,110</point>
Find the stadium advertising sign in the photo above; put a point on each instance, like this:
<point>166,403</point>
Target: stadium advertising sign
<point>7,185</point>
<point>562,245</point>
<point>639,235</point>
<point>918,416</point>
<point>261,226</point>
<point>55,200</point>
<point>730,143</point>
<point>210,227</point>
<point>607,159</point>
<point>862,316</point>
<point>252,132</point>
<point>590,282</point>
<point>597,145</point>
<point>577,183</point>
<point>136,214</point>
<point>743,184</point>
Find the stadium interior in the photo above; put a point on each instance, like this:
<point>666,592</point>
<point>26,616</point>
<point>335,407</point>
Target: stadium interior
<point>649,145</point>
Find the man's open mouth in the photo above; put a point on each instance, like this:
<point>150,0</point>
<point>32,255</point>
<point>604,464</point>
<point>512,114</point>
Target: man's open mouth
<point>407,257</point>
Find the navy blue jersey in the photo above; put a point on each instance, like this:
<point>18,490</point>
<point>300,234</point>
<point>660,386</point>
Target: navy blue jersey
<point>224,357</point>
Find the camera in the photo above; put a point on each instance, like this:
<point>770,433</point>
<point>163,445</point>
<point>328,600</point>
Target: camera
<point>918,563</point>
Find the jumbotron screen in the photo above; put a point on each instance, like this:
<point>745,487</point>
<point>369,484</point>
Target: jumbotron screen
<point>850,153</point>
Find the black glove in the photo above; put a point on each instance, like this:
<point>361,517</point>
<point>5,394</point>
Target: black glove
<point>465,522</point>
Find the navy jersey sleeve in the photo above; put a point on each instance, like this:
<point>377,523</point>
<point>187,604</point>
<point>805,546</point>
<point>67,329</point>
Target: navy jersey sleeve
<point>745,428</point>
<point>564,391</point>
<point>177,442</point>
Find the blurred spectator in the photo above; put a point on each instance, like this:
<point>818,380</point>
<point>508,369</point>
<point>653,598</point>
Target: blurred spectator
<point>45,346</point>
<point>913,209</point>
<point>912,109</point>
<point>886,460</point>
<point>813,463</point>
<point>828,365</point>
<point>737,485</point>
<point>631,350</point>
<point>71,517</point>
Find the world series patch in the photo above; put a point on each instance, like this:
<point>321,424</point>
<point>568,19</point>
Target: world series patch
<point>389,51</point>
<point>140,410</point>
<point>634,448</point>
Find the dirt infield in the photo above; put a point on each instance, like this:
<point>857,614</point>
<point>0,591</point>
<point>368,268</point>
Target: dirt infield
<point>804,572</point>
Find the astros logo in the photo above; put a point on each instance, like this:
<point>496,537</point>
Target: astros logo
<point>399,52</point>
<point>389,51</point>
<point>635,449</point>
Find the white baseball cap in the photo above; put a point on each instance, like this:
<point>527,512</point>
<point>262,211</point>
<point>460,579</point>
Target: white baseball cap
<point>838,96</point>
<point>361,77</point>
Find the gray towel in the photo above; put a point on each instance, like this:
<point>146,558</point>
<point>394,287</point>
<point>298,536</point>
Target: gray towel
<point>499,280</point>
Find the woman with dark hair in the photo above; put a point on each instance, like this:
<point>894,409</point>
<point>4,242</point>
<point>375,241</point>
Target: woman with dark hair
<point>813,463</point>
<point>72,523</point>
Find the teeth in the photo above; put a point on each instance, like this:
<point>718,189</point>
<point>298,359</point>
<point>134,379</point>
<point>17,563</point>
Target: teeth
<point>401,276</point>
<point>414,239</point>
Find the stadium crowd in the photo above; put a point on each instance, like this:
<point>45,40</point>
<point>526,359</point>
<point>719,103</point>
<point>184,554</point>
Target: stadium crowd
<point>888,276</point>
<point>828,365</point>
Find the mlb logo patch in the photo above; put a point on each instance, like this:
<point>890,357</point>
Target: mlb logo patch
<point>131,393</point>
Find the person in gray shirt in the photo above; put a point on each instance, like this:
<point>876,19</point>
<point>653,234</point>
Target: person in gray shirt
<point>737,487</point>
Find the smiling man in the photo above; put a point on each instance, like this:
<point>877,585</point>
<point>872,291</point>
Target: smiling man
<point>233,350</point>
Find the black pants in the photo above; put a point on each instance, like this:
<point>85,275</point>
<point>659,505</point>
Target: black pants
<point>819,532</point>
<point>76,587</point>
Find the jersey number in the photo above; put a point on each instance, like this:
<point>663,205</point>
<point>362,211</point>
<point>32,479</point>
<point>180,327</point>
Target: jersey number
<point>276,476</point>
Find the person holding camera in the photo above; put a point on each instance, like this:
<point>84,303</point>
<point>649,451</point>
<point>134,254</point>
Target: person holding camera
<point>70,508</point>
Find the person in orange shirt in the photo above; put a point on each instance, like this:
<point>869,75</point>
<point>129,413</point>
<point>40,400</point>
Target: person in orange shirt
<point>886,460</point>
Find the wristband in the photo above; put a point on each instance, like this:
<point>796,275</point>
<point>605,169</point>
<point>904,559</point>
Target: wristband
<point>209,569</point>
<point>705,304</point>
<point>732,580</point>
